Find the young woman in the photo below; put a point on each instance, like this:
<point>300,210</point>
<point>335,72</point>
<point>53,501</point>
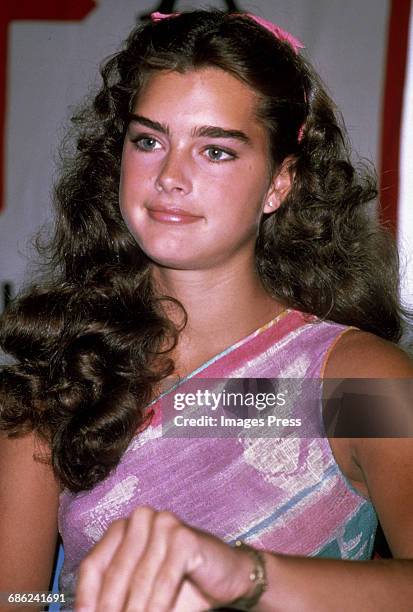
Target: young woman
<point>210,226</point>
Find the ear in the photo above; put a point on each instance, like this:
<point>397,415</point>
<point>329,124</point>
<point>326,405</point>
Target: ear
<point>280,186</point>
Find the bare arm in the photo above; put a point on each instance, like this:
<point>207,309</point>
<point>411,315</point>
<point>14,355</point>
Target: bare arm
<point>28,517</point>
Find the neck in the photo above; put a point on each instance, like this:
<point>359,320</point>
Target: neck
<point>223,305</point>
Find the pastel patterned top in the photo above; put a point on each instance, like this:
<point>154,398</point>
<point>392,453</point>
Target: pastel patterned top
<point>284,494</point>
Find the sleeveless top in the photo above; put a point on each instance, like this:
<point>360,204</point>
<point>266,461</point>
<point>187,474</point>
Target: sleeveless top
<point>282,494</point>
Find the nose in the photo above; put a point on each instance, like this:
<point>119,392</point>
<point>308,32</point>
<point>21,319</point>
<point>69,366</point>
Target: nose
<point>175,173</point>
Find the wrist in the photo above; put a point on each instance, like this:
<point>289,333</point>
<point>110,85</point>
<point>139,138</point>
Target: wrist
<point>257,578</point>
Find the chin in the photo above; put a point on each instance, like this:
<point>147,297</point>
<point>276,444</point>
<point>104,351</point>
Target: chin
<point>177,255</point>
<point>175,263</point>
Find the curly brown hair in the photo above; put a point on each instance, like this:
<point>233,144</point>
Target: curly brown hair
<point>91,344</point>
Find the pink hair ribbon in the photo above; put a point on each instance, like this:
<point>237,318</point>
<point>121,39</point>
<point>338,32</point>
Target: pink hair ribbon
<point>278,32</point>
<point>268,25</point>
<point>159,16</point>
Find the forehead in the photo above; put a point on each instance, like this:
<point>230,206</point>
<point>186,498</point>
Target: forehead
<point>203,96</point>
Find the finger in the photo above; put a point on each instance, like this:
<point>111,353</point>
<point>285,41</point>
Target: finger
<point>118,575</point>
<point>190,599</point>
<point>92,568</point>
<point>219,572</point>
<point>145,576</point>
<point>183,555</point>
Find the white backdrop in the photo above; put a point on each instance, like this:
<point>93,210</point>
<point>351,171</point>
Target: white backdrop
<point>51,65</point>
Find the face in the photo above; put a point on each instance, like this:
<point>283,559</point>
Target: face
<point>195,170</point>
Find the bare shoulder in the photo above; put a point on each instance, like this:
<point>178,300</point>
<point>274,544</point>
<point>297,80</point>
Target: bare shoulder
<point>359,354</point>
<point>29,495</point>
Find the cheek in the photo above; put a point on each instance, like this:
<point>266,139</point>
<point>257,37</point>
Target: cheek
<point>249,191</point>
<point>130,184</point>
<point>127,199</point>
<point>128,173</point>
<point>123,181</point>
<point>131,163</point>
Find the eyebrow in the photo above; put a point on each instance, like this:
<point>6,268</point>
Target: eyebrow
<point>153,125</point>
<point>210,131</point>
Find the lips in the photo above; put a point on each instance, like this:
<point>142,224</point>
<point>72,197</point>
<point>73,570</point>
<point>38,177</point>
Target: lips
<point>171,214</point>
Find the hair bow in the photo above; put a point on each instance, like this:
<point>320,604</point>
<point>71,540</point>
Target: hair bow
<point>268,25</point>
<point>278,32</point>
<point>159,16</point>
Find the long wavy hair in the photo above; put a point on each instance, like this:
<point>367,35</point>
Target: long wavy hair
<point>90,345</point>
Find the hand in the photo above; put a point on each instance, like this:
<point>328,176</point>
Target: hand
<point>152,562</point>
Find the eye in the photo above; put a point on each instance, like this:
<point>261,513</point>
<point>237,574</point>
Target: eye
<point>216,154</point>
<point>146,143</point>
